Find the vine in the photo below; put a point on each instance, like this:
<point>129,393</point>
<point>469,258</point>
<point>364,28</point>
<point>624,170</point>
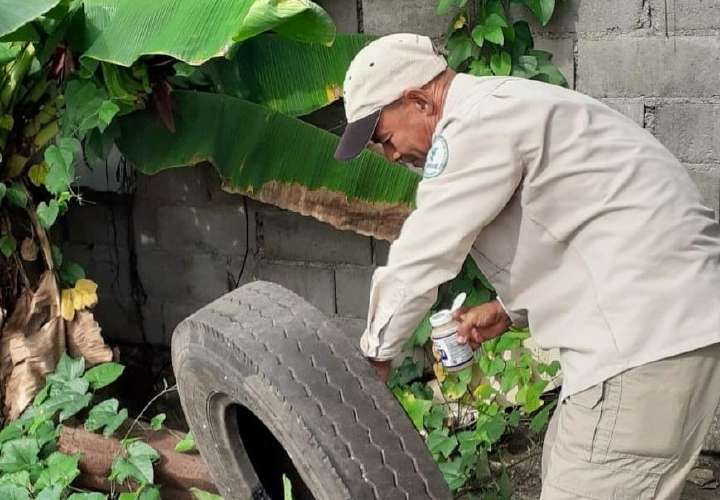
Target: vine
<point>31,466</point>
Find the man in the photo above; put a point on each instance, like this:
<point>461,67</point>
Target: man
<point>587,227</point>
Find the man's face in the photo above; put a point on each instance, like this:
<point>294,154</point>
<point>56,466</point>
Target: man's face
<point>405,132</point>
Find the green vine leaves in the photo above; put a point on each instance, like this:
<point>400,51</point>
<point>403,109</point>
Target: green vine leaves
<point>492,45</point>
<point>31,465</point>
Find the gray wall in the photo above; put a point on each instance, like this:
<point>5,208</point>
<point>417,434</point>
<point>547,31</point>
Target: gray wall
<point>169,244</point>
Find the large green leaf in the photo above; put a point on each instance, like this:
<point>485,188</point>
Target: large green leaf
<point>195,31</point>
<point>274,71</point>
<point>16,13</point>
<point>273,158</point>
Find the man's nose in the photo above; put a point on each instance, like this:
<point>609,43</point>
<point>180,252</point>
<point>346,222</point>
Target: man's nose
<point>390,152</point>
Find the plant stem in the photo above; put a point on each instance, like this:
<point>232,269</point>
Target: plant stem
<point>155,398</point>
<point>16,75</point>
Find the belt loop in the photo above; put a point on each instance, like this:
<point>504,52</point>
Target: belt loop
<point>612,393</point>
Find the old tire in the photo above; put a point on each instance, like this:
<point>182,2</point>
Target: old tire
<point>270,386</point>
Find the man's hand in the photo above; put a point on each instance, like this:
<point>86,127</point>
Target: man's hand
<point>382,368</point>
<point>481,323</point>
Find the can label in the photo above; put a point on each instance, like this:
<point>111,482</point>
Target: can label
<point>452,353</point>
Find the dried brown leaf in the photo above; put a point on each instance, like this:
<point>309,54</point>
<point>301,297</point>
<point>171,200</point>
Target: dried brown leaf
<point>29,250</point>
<point>380,220</point>
<point>33,338</point>
<point>84,338</point>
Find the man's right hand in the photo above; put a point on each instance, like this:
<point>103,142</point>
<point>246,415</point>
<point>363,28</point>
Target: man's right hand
<point>382,368</point>
<point>481,323</point>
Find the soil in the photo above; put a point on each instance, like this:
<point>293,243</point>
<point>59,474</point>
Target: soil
<point>526,479</point>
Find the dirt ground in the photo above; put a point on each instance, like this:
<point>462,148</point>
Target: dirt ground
<point>526,479</point>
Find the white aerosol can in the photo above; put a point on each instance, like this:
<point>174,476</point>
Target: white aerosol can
<point>453,355</point>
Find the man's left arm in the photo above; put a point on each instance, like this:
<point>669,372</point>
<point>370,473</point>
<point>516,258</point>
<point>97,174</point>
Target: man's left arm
<point>467,191</point>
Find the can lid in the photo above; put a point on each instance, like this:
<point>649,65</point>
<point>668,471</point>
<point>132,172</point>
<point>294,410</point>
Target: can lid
<point>440,318</point>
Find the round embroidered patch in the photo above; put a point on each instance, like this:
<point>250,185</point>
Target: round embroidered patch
<point>437,158</point>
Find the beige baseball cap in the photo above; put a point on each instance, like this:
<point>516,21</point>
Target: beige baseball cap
<point>378,76</point>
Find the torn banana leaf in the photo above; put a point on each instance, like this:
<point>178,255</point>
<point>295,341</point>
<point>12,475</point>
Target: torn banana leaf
<point>32,340</point>
<point>276,159</point>
<point>17,13</point>
<point>286,76</point>
<point>121,31</point>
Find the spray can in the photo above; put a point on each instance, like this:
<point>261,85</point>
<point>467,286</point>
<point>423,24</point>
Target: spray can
<point>454,356</point>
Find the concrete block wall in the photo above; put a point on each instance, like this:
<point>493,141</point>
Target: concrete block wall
<point>177,241</point>
<point>655,61</point>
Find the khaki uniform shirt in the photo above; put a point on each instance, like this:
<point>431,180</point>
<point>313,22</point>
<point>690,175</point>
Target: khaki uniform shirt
<point>589,229</point>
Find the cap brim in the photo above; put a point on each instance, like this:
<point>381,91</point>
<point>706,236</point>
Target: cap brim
<point>357,135</point>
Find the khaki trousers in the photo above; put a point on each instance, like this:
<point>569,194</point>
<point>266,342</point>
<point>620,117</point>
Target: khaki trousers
<point>635,436</point>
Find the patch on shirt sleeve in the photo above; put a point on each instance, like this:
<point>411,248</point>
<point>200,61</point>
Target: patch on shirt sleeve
<point>437,158</point>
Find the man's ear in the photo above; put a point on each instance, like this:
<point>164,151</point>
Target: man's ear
<point>419,99</point>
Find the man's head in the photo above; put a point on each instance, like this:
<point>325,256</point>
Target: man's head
<point>394,91</point>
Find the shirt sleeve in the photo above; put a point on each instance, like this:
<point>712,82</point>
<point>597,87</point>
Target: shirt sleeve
<point>518,318</point>
<point>484,168</point>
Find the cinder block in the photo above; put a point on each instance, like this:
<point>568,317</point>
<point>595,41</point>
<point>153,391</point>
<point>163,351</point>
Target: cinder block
<point>690,130</point>
<point>381,248</point>
<point>289,236</point>
<point>110,269</point>
<point>119,319</point>
<point>217,229</point>
<point>98,223</point>
<point>178,186</point>
<point>685,14</point>
<point>315,283</point>
<point>343,12</point>
<point>707,178</point>
<point>107,266</point>
<point>81,253</point>
<point>562,50</point>
<point>104,176</point>
<point>174,313</point>
<point>403,16</point>
<point>632,108</point>
<point>152,320</point>
<point>184,276</point>
<point>352,290</point>
<point>144,223</point>
<point>589,16</point>
<point>680,66</point>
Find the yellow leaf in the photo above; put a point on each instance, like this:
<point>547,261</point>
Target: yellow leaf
<point>66,305</point>
<point>440,373</point>
<point>333,92</point>
<point>37,173</point>
<point>436,353</point>
<point>77,299</point>
<point>15,165</point>
<point>86,291</point>
<point>482,392</point>
<point>6,122</point>
<point>460,22</point>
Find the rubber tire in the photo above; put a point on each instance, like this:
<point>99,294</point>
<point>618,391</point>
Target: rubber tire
<point>264,349</point>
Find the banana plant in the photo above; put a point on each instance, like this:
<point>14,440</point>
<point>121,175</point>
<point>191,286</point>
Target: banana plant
<point>68,70</point>
<point>242,108</point>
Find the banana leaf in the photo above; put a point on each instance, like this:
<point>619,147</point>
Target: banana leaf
<point>194,31</point>
<point>273,158</point>
<point>15,14</point>
<point>287,76</point>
